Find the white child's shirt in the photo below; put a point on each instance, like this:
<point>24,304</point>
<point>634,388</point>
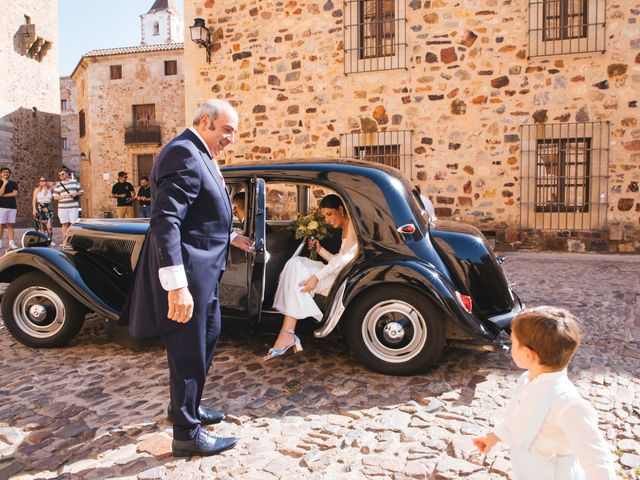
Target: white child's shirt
<point>570,427</point>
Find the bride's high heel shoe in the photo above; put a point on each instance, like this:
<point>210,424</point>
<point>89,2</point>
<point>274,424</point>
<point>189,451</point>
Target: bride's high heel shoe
<point>277,352</point>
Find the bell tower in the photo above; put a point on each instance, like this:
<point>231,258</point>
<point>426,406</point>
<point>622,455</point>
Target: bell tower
<point>162,24</point>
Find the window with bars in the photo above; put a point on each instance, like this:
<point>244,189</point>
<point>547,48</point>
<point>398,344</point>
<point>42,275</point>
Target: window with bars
<point>558,27</point>
<point>64,143</point>
<point>115,72</point>
<point>564,180</point>
<point>63,104</point>
<point>387,148</point>
<point>375,35</point>
<point>562,183</point>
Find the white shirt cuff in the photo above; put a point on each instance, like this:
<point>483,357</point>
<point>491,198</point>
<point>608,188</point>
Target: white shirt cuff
<point>233,235</point>
<point>173,277</point>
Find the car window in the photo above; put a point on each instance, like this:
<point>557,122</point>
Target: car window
<point>282,201</point>
<point>238,195</point>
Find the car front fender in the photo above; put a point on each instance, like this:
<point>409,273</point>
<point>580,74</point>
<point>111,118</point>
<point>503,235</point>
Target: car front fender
<point>60,267</point>
<point>426,280</point>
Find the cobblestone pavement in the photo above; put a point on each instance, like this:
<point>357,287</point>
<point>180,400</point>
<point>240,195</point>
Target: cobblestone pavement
<point>96,410</point>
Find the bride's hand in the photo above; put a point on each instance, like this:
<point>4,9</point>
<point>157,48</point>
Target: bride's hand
<point>310,284</point>
<point>312,242</point>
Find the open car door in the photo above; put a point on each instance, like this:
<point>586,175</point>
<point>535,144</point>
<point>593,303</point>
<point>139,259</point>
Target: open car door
<point>257,261</point>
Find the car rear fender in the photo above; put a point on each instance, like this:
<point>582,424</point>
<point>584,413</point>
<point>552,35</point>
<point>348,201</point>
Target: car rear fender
<point>60,267</point>
<point>426,280</point>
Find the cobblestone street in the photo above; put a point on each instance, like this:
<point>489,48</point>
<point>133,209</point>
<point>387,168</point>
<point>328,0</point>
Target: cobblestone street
<point>96,410</point>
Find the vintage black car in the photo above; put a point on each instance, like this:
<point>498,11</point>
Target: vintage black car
<point>414,286</point>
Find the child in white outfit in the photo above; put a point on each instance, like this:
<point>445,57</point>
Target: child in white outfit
<point>551,430</point>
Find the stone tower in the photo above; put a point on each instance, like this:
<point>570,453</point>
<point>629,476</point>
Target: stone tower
<point>162,24</point>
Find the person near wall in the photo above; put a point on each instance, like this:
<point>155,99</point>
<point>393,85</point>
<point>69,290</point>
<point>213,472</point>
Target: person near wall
<point>8,206</point>
<point>124,193</point>
<point>174,292</point>
<point>144,197</point>
<point>302,277</point>
<point>42,208</point>
<point>67,193</point>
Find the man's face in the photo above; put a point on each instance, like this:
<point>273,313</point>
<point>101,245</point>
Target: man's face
<point>238,210</point>
<point>5,174</point>
<point>123,178</point>
<point>220,132</point>
<point>144,183</point>
<point>63,175</point>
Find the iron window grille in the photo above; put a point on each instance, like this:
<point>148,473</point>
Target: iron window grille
<point>560,27</point>
<point>375,35</point>
<point>387,148</point>
<point>564,180</point>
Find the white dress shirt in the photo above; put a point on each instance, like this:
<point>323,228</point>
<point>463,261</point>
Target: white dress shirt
<point>570,427</point>
<point>174,276</point>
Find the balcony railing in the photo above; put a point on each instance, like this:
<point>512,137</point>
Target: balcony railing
<point>142,134</point>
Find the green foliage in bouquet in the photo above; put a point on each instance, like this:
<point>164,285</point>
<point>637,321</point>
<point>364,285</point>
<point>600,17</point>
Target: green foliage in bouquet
<point>311,226</point>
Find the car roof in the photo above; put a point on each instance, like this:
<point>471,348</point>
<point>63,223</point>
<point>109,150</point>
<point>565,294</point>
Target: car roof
<point>379,173</point>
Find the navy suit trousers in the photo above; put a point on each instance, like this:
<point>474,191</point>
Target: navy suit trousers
<point>190,351</point>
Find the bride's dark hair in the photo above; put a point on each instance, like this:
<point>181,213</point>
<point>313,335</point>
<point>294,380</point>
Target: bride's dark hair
<point>332,201</point>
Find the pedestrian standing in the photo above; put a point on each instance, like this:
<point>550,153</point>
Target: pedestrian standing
<point>174,293</point>
<point>124,193</point>
<point>144,198</point>
<point>42,208</point>
<point>8,206</point>
<point>67,193</point>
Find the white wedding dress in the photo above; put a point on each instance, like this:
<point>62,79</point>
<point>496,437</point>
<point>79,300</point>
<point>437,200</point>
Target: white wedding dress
<point>290,300</point>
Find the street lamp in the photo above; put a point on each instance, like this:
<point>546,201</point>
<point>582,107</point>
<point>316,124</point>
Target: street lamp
<point>201,35</point>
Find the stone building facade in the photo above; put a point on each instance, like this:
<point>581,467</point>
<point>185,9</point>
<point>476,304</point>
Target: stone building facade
<point>29,95</point>
<point>518,116</point>
<point>130,103</point>
<point>69,135</point>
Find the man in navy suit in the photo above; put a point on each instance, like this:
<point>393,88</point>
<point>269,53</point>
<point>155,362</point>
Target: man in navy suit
<point>175,292</point>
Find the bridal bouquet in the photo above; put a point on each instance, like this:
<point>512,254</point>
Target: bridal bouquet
<point>310,227</point>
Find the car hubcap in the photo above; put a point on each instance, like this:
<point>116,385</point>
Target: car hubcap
<point>39,312</point>
<point>394,331</point>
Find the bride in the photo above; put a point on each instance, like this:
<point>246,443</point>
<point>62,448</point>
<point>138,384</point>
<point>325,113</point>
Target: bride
<point>302,277</point>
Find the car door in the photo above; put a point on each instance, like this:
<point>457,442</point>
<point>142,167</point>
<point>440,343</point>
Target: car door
<point>257,262</point>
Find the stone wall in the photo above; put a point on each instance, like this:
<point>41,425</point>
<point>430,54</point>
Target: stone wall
<point>35,150</point>
<point>69,125</point>
<point>108,106</point>
<point>467,90</point>
<point>29,96</point>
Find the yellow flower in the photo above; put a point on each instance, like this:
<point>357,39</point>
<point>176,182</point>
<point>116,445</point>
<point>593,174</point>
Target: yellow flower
<point>312,225</point>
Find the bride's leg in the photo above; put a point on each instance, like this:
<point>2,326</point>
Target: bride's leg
<point>285,339</point>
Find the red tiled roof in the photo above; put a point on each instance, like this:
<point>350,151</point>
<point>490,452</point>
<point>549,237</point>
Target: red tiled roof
<point>137,49</point>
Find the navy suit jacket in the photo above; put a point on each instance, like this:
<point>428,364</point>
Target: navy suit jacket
<point>190,225</point>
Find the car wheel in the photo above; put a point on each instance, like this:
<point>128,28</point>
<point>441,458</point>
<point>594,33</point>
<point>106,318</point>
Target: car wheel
<point>40,313</point>
<point>395,331</point>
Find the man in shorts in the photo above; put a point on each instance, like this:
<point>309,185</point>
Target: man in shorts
<point>8,206</point>
<point>67,193</point>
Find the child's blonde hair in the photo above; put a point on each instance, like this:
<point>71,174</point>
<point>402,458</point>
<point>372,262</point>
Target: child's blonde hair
<point>551,332</point>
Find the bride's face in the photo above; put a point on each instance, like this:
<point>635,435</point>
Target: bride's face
<point>332,216</point>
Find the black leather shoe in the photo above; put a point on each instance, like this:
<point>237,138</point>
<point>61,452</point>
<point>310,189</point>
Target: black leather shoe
<point>204,444</point>
<point>207,417</point>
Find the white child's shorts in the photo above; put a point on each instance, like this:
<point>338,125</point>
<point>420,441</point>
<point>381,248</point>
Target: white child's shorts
<point>68,215</point>
<point>7,215</point>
